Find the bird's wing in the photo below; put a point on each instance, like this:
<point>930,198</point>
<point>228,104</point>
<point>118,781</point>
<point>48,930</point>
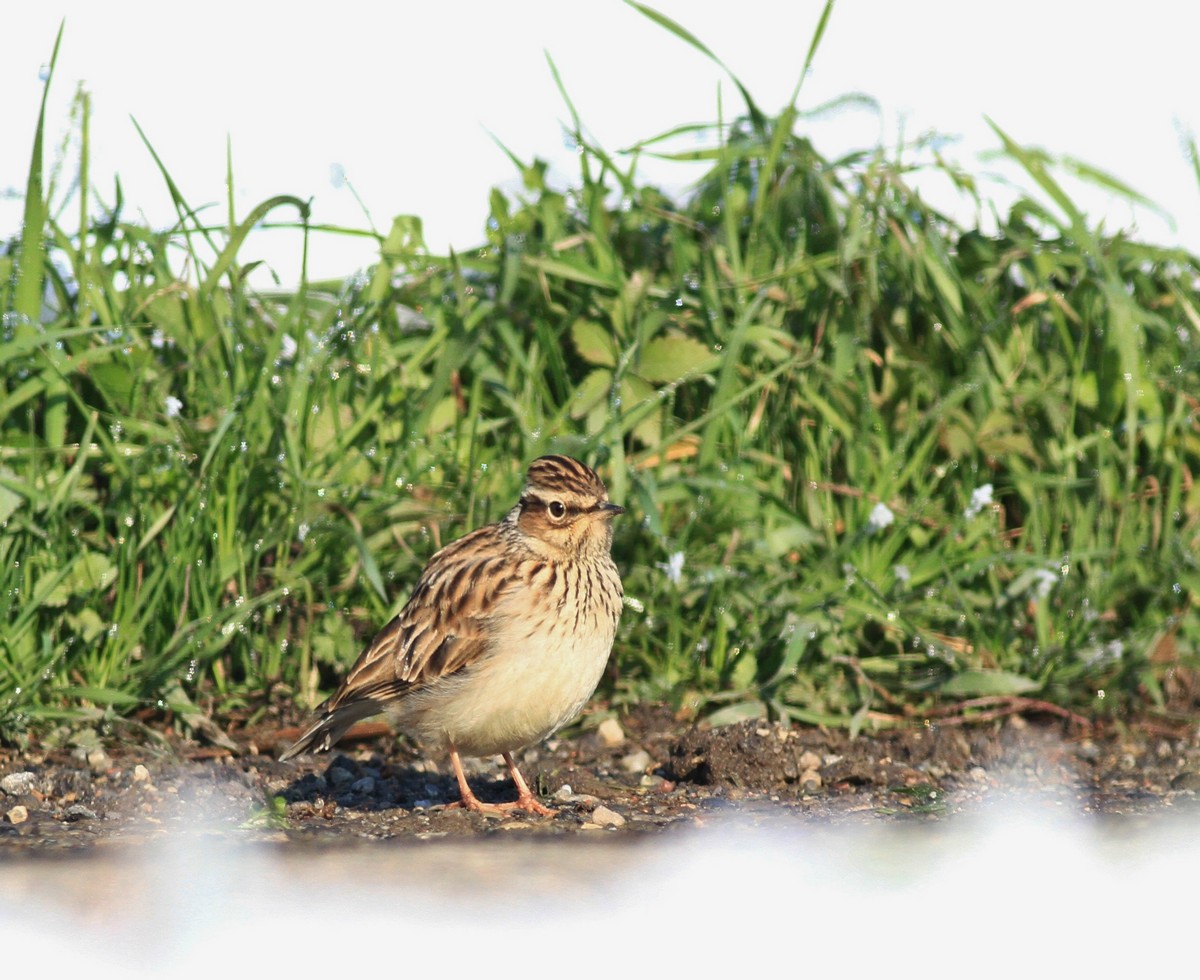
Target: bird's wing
<point>444,626</point>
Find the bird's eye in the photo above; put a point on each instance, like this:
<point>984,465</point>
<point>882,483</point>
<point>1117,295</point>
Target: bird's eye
<point>557,510</point>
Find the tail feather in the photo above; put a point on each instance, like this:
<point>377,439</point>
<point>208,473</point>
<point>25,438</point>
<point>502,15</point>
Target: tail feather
<point>321,735</point>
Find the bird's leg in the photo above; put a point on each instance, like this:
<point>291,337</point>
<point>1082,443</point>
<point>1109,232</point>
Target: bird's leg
<point>468,800</point>
<point>525,798</point>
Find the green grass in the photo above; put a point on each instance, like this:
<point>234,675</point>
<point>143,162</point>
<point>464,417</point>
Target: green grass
<point>878,466</point>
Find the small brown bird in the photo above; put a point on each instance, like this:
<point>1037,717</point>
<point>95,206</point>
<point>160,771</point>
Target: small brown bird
<point>504,637</point>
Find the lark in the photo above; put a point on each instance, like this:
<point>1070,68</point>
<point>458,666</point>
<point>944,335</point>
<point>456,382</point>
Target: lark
<point>504,637</point>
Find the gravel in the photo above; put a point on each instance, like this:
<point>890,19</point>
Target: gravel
<point>642,774</point>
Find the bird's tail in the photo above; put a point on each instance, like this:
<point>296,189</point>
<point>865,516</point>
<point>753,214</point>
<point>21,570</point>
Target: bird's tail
<point>328,728</point>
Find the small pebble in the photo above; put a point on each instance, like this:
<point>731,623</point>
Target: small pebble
<point>140,773</point>
<point>811,780</point>
<point>566,794</point>
<point>602,816</point>
<point>611,733</point>
<point>98,761</point>
<point>638,761</point>
<point>339,777</point>
<point>18,783</point>
<point>18,814</point>
<point>809,760</point>
<point>80,812</point>
<point>1187,781</point>
<point>366,785</point>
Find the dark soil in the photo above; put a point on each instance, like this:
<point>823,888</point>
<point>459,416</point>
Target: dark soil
<point>645,773</point>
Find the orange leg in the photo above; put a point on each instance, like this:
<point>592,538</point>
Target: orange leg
<point>525,799</point>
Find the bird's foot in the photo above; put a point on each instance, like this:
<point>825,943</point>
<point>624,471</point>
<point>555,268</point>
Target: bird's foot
<point>528,804</point>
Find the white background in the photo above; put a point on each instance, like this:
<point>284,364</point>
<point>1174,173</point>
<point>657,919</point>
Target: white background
<point>402,97</point>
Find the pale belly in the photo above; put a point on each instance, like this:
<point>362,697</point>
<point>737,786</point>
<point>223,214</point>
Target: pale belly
<point>520,694</point>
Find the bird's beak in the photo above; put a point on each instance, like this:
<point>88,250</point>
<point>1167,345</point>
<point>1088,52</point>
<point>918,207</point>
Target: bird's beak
<point>611,510</point>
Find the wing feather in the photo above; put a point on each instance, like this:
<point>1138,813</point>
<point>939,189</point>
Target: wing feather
<point>442,629</point>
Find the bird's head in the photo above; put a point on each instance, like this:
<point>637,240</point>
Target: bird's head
<point>564,512</point>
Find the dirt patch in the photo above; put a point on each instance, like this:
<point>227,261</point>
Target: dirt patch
<point>636,774</point>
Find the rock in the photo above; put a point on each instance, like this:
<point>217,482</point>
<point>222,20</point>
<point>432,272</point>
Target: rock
<point>18,814</point>
<point>18,783</point>
<point>140,773</point>
<point>566,794</point>
<point>339,777</point>
<point>1187,781</point>
<point>810,780</point>
<point>365,786</point>
<point>809,760</point>
<point>98,761</point>
<point>79,812</point>
<point>602,816</point>
<point>610,733</point>
<point>638,761</point>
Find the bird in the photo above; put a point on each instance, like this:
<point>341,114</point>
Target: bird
<point>504,637</point>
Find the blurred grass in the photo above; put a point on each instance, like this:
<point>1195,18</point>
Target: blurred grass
<point>878,466</point>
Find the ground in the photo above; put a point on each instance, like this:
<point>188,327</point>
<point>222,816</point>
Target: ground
<point>635,773</point>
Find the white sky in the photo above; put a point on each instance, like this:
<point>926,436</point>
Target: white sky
<point>403,96</point>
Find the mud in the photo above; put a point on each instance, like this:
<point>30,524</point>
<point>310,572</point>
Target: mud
<point>637,774</point>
